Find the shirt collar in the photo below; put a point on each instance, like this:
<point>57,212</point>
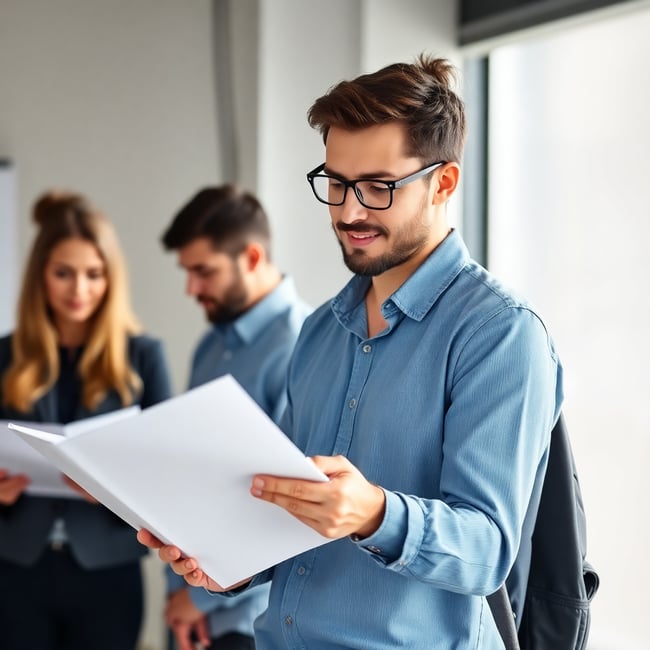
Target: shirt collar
<point>254,321</point>
<point>420,291</point>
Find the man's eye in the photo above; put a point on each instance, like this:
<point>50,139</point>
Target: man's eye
<point>378,188</point>
<point>335,184</point>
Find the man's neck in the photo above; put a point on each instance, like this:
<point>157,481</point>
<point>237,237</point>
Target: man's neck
<point>265,283</point>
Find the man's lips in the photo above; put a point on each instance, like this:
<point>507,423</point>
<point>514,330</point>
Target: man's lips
<point>361,238</point>
<point>360,235</point>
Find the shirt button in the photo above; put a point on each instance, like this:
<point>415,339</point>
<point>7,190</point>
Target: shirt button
<point>301,570</point>
<point>288,620</point>
<point>227,355</point>
<point>374,549</point>
<point>367,347</point>
<point>352,403</point>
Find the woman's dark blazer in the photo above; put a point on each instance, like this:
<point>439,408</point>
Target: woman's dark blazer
<point>97,537</point>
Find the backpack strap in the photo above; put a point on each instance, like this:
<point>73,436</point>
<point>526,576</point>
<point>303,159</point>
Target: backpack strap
<point>501,609</point>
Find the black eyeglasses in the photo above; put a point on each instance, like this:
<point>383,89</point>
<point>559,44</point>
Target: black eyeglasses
<point>372,193</point>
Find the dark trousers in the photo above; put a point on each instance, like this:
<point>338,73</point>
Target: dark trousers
<point>232,641</point>
<point>57,605</point>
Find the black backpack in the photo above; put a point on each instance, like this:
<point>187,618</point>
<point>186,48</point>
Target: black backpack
<point>555,601</point>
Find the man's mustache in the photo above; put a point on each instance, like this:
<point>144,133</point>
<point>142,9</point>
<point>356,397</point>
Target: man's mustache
<point>361,227</point>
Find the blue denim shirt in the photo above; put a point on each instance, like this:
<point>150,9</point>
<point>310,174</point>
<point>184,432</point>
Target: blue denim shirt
<point>255,349</point>
<point>449,410</point>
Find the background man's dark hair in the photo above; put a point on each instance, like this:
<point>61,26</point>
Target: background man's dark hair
<point>419,95</point>
<point>226,215</point>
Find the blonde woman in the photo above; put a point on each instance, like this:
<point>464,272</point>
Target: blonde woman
<point>69,569</point>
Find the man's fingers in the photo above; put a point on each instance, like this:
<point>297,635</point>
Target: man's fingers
<point>201,631</point>
<point>182,632</point>
<point>273,488</point>
<point>147,539</point>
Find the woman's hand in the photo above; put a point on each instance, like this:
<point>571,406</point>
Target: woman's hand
<point>11,487</point>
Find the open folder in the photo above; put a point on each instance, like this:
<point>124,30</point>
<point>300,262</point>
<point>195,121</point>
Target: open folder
<point>182,469</point>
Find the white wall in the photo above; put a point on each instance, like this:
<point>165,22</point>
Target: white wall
<point>8,245</point>
<point>569,187</point>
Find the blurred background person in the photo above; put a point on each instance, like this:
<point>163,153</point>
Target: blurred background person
<point>70,570</point>
<point>223,242</point>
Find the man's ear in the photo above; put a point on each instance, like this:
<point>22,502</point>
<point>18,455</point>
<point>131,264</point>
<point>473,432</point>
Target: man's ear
<point>448,176</point>
<point>252,255</point>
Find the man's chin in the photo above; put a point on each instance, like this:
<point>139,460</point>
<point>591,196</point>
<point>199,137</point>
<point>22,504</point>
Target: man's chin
<point>362,264</point>
<point>221,317</point>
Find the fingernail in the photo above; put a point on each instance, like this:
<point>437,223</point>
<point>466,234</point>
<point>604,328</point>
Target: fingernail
<point>256,489</point>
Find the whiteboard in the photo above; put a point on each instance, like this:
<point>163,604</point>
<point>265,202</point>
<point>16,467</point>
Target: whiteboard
<point>9,271</point>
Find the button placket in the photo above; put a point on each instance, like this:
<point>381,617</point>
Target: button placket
<point>358,377</point>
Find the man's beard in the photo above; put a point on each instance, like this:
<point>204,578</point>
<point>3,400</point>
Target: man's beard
<point>231,307</point>
<point>408,241</point>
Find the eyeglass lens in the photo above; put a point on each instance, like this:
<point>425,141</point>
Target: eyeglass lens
<point>372,194</point>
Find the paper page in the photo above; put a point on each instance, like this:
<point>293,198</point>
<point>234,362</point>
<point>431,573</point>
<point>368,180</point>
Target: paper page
<point>183,468</point>
<point>18,457</point>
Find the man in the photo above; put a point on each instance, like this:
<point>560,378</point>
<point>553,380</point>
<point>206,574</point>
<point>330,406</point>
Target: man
<point>424,390</point>
<point>222,239</point>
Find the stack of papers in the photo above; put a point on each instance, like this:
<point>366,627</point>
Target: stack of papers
<point>182,469</point>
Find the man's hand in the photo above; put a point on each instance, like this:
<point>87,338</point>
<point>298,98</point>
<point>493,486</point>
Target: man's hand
<point>187,567</point>
<point>77,488</point>
<point>346,504</point>
<point>186,620</point>
<point>11,487</point>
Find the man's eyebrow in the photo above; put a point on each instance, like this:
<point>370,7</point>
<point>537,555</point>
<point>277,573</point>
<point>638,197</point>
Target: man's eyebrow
<point>378,175</point>
<point>194,267</point>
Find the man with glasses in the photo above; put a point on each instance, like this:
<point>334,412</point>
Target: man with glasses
<point>424,390</point>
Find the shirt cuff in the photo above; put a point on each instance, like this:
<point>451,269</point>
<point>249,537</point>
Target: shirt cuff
<point>386,543</point>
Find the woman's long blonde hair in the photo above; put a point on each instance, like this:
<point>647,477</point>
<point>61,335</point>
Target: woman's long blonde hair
<point>104,364</point>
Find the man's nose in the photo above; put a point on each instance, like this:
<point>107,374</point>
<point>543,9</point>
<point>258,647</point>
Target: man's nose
<point>192,286</point>
<point>352,210</point>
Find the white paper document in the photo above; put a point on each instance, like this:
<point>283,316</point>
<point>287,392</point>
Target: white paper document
<point>18,457</point>
<point>182,469</point>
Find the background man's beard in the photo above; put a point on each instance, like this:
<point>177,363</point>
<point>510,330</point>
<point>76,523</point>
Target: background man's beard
<point>220,314</point>
<point>234,304</point>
